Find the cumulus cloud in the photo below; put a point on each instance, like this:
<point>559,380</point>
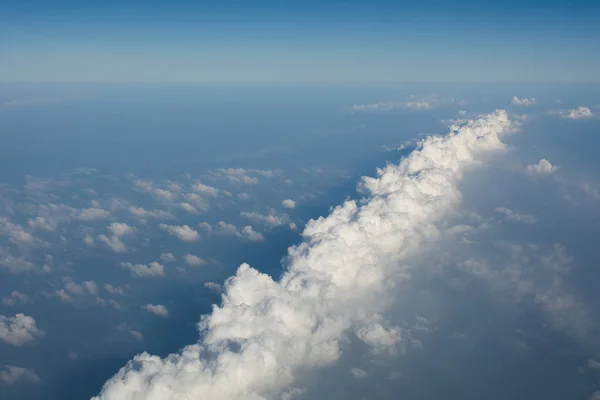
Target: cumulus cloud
<point>14,264</point>
<point>120,229</point>
<point>140,212</point>
<point>265,330</point>
<point>184,232</point>
<point>542,167</point>
<point>113,242</point>
<point>15,298</point>
<point>213,287</point>
<point>205,226</point>
<point>246,232</point>
<point>15,232</point>
<point>10,375</point>
<point>524,101</point>
<point>19,329</point>
<point>272,220</point>
<point>91,214</point>
<point>153,269</point>
<point>288,203</point>
<point>206,190</point>
<point>114,289</point>
<point>168,257</point>
<point>575,113</point>
<point>157,309</point>
<point>193,260</point>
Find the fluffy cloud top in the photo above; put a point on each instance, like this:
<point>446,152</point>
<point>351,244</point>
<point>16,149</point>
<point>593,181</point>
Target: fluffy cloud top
<point>288,203</point>
<point>542,167</point>
<point>523,101</point>
<point>157,309</point>
<point>184,232</point>
<point>19,329</point>
<point>266,330</point>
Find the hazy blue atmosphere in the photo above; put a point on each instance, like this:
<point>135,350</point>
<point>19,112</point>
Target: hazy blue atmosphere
<point>149,150</point>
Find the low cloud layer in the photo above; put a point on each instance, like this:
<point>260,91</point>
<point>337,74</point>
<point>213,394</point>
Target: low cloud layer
<point>266,331</point>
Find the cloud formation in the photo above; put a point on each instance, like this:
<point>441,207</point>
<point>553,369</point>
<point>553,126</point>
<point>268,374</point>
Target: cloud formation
<point>523,101</point>
<point>157,309</point>
<point>288,203</point>
<point>153,269</point>
<point>19,329</point>
<point>266,330</point>
<point>246,232</point>
<point>575,113</point>
<point>184,232</point>
<point>542,167</point>
<point>10,375</point>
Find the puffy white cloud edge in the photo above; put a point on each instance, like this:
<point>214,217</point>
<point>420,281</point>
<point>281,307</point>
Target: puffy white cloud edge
<point>266,330</point>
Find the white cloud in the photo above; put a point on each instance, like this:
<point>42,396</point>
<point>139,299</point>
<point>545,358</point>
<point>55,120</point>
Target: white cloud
<point>206,189</point>
<point>189,208</point>
<point>140,212</point>
<point>524,101</point>
<point>193,260</point>
<point>157,309</point>
<point>91,214</point>
<point>120,229</point>
<point>114,242</point>
<point>333,284</point>
<point>244,196</point>
<point>575,113</point>
<point>245,233</point>
<point>270,220</point>
<point>288,203</point>
<point>14,265</point>
<point>205,226</point>
<point>168,257</point>
<point>19,329</point>
<point>113,289</point>
<point>143,271</point>
<point>184,232</point>
<point>244,176</point>
<point>15,232</point>
<point>15,298</point>
<point>10,375</point>
<point>542,167</point>
<point>516,216</point>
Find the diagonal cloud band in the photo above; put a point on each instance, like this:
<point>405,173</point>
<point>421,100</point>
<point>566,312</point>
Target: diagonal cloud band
<point>265,331</point>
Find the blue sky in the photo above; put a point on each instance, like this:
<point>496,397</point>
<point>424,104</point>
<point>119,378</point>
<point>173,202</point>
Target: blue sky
<point>325,41</point>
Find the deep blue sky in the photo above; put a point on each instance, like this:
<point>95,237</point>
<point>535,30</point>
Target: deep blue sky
<point>322,41</point>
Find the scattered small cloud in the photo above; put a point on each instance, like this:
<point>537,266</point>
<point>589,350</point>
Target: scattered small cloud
<point>10,375</point>
<point>113,242</point>
<point>157,309</point>
<point>19,329</point>
<point>524,101</point>
<point>542,167</point>
<point>288,203</point>
<point>193,260</point>
<point>168,257</point>
<point>120,229</point>
<point>575,113</point>
<point>15,298</point>
<point>512,215</point>
<point>247,232</point>
<point>184,232</point>
<point>154,269</point>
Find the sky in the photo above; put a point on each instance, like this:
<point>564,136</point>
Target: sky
<point>299,200</point>
<point>308,41</point>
